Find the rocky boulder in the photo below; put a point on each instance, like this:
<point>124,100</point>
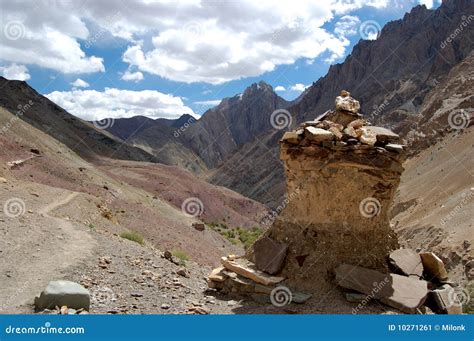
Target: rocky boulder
<point>63,293</point>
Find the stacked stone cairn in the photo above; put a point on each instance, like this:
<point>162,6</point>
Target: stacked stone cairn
<point>336,230</point>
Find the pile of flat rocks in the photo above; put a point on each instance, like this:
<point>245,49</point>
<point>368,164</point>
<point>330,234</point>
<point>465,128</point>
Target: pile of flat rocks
<point>237,275</point>
<point>416,282</point>
<point>343,127</point>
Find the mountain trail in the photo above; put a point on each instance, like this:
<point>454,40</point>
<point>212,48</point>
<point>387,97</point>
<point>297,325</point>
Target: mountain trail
<point>46,247</point>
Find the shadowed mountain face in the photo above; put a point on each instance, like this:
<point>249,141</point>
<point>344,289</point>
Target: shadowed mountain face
<point>80,136</point>
<point>234,122</point>
<point>206,143</point>
<point>402,80</point>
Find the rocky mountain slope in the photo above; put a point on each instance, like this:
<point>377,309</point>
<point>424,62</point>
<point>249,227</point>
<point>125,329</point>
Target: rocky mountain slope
<point>235,121</point>
<point>124,191</point>
<point>206,143</point>
<point>409,79</point>
<point>89,141</point>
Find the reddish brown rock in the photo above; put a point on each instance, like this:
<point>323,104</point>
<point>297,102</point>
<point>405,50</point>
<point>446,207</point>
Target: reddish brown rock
<point>269,255</point>
<point>433,267</point>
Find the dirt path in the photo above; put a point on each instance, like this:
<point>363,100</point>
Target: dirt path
<point>44,247</point>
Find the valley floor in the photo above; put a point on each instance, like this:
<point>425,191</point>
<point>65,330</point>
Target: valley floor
<point>122,276</point>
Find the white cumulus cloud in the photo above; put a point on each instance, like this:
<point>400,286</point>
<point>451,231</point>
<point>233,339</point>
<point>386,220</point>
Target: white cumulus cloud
<point>79,83</point>
<point>132,76</point>
<point>15,71</point>
<point>188,41</point>
<point>280,88</point>
<point>212,102</point>
<point>347,26</point>
<point>114,103</point>
<point>298,87</point>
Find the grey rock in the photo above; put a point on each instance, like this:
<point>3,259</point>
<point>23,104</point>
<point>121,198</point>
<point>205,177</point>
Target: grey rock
<point>398,148</point>
<point>63,293</point>
<point>300,297</point>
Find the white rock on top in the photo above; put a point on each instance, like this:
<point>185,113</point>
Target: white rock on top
<point>346,102</point>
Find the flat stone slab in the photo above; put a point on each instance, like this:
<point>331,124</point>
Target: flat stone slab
<point>217,275</point>
<point>269,255</point>
<point>433,266</point>
<point>403,293</point>
<point>318,134</point>
<point>63,293</point>
<point>383,135</point>
<point>246,269</point>
<point>293,137</point>
<point>407,261</point>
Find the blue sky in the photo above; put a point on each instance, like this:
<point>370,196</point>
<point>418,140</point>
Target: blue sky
<point>187,56</point>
